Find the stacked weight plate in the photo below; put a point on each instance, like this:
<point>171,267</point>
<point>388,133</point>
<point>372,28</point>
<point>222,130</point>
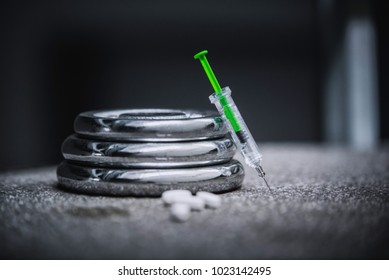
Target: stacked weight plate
<point>146,152</point>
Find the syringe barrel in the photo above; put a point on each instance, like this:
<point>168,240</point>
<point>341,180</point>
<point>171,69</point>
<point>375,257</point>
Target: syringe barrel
<point>237,127</point>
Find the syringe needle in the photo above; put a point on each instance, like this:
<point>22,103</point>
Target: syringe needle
<point>261,174</point>
<point>267,185</point>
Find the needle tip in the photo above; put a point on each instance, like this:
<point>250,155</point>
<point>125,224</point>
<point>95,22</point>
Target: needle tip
<point>267,185</point>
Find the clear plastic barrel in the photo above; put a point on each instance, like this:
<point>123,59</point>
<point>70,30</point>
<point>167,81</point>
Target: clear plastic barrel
<point>237,127</point>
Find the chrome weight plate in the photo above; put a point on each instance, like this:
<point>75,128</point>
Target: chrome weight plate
<point>148,155</point>
<point>149,182</point>
<point>150,125</point>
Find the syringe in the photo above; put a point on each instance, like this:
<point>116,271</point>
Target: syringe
<point>232,117</point>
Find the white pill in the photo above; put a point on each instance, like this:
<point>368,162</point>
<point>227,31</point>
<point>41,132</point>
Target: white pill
<point>195,203</point>
<point>180,212</point>
<point>211,200</point>
<point>168,196</point>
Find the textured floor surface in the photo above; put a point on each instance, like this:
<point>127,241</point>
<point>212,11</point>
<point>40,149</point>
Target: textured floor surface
<point>329,203</point>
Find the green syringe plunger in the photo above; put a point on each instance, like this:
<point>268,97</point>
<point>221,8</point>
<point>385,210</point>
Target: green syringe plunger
<point>218,90</point>
<point>208,70</point>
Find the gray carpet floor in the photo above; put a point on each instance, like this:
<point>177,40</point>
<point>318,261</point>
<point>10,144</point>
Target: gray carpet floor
<point>328,203</point>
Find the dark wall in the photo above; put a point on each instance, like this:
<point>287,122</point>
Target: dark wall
<point>59,58</point>
<point>383,65</point>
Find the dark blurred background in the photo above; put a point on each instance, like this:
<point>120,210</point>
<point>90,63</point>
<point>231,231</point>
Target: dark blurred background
<point>300,71</point>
